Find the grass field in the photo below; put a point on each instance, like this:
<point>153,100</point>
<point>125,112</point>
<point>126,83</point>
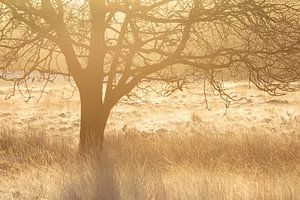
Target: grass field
<point>171,148</point>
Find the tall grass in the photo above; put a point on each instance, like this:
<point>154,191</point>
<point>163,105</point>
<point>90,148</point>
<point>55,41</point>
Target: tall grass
<point>32,148</point>
<point>184,163</point>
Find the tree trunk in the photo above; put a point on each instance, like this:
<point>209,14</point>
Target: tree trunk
<point>93,121</point>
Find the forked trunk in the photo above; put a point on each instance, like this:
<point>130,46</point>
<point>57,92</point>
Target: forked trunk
<point>93,121</point>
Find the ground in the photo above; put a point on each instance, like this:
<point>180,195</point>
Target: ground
<point>166,148</point>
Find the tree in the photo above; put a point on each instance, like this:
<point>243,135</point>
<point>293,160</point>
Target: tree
<point>109,47</point>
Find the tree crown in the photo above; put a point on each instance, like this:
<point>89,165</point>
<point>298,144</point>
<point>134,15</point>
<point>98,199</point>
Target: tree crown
<point>115,46</point>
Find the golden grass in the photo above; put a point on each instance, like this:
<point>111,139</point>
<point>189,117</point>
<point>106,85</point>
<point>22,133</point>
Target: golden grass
<point>31,148</point>
<point>188,162</point>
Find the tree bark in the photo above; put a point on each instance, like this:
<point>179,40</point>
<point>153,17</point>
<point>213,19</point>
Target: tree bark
<point>93,121</point>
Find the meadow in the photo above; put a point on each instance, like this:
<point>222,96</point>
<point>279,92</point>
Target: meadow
<point>165,148</point>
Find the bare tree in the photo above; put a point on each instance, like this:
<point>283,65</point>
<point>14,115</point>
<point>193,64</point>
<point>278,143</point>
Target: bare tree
<point>109,47</point>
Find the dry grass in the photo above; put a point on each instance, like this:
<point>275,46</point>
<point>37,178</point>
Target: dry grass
<point>31,148</point>
<point>187,162</point>
<point>166,152</point>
